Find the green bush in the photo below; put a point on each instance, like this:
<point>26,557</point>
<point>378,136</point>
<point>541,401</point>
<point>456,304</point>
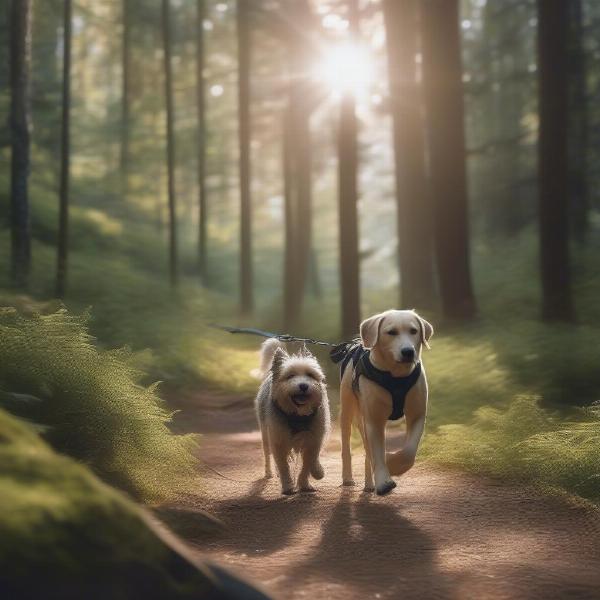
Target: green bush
<point>525,441</point>
<point>91,402</point>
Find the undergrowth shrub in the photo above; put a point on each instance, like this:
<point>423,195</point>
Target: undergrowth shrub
<point>92,403</point>
<point>525,441</point>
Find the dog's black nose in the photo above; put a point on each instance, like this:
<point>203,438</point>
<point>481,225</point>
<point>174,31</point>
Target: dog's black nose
<point>303,387</point>
<point>407,352</point>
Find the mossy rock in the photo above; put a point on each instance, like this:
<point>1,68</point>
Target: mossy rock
<point>65,534</point>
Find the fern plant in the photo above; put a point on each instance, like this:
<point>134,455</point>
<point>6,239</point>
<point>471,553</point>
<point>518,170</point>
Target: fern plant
<point>91,402</point>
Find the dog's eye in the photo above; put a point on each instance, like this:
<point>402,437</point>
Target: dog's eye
<point>392,332</point>
<point>414,331</point>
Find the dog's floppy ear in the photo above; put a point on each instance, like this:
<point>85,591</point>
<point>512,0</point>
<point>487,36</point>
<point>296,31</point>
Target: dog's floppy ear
<point>369,330</point>
<point>278,358</point>
<point>426,331</point>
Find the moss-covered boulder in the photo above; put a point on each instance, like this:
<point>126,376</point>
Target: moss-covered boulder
<point>65,534</point>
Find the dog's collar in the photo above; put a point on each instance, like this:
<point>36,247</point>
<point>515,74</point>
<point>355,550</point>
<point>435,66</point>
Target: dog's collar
<point>296,423</point>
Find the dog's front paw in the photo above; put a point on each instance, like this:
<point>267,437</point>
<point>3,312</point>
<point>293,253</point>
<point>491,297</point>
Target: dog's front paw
<point>369,487</point>
<point>386,487</point>
<point>348,483</point>
<point>288,491</point>
<point>317,471</point>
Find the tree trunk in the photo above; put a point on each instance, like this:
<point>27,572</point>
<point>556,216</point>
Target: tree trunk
<point>126,94</point>
<point>316,286</point>
<point>442,79</point>
<point>553,160</point>
<point>243,32</point>
<point>415,231</point>
<point>578,123</point>
<point>200,107</point>
<point>348,199</point>
<point>63,223</point>
<point>300,106</point>
<point>169,113</point>
<point>20,126</point>
<point>289,219</point>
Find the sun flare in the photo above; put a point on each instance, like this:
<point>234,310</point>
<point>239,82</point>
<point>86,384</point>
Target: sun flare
<point>345,69</point>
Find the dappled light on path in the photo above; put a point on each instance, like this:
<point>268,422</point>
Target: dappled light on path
<point>441,534</point>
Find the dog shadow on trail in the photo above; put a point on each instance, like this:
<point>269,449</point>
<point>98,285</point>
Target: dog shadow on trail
<point>259,524</point>
<point>366,542</point>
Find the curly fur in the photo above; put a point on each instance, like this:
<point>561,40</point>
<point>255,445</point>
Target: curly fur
<point>293,413</point>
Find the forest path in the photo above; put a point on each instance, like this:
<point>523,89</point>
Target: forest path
<point>439,534</point>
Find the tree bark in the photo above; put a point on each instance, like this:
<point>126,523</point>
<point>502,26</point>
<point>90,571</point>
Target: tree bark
<point>289,219</point>
<point>442,79</point>
<point>553,160</point>
<point>415,231</point>
<point>300,106</point>
<point>243,31</point>
<point>316,286</point>
<point>348,199</point>
<point>63,223</point>
<point>125,94</point>
<point>578,123</point>
<point>200,108</point>
<point>169,114</point>
<point>20,127</point>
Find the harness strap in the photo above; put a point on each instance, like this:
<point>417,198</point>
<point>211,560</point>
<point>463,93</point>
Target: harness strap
<point>398,387</point>
<point>296,423</point>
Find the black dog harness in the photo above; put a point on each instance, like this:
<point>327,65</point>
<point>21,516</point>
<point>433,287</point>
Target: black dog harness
<point>296,423</point>
<point>398,387</point>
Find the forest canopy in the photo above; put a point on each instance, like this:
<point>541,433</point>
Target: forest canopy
<point>156,92</point>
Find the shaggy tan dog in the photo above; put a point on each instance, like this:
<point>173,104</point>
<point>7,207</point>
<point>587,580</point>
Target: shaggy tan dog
<point>293,413</point>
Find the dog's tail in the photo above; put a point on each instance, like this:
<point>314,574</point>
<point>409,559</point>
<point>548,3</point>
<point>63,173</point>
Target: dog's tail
<point>267,351</point>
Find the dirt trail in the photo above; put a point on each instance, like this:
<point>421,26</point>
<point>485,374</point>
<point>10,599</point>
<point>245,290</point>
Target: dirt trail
<point>440,534</point>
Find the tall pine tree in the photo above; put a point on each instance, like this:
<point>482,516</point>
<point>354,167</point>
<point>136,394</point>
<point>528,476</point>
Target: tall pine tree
<point>348,198</point>
<point>557,301</point>
<point>413,198</point>
<point>442,79</point>
<point>243,33</point>
<point>20,126</point>
<point>65,166</point>
<point>170,126</point>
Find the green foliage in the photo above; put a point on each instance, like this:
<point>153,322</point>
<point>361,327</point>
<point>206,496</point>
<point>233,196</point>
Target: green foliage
<point>117,262</point>
<point>54,512</point>
<point>92,402</point>
<point>525,441</point>
<point>508,354</point>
